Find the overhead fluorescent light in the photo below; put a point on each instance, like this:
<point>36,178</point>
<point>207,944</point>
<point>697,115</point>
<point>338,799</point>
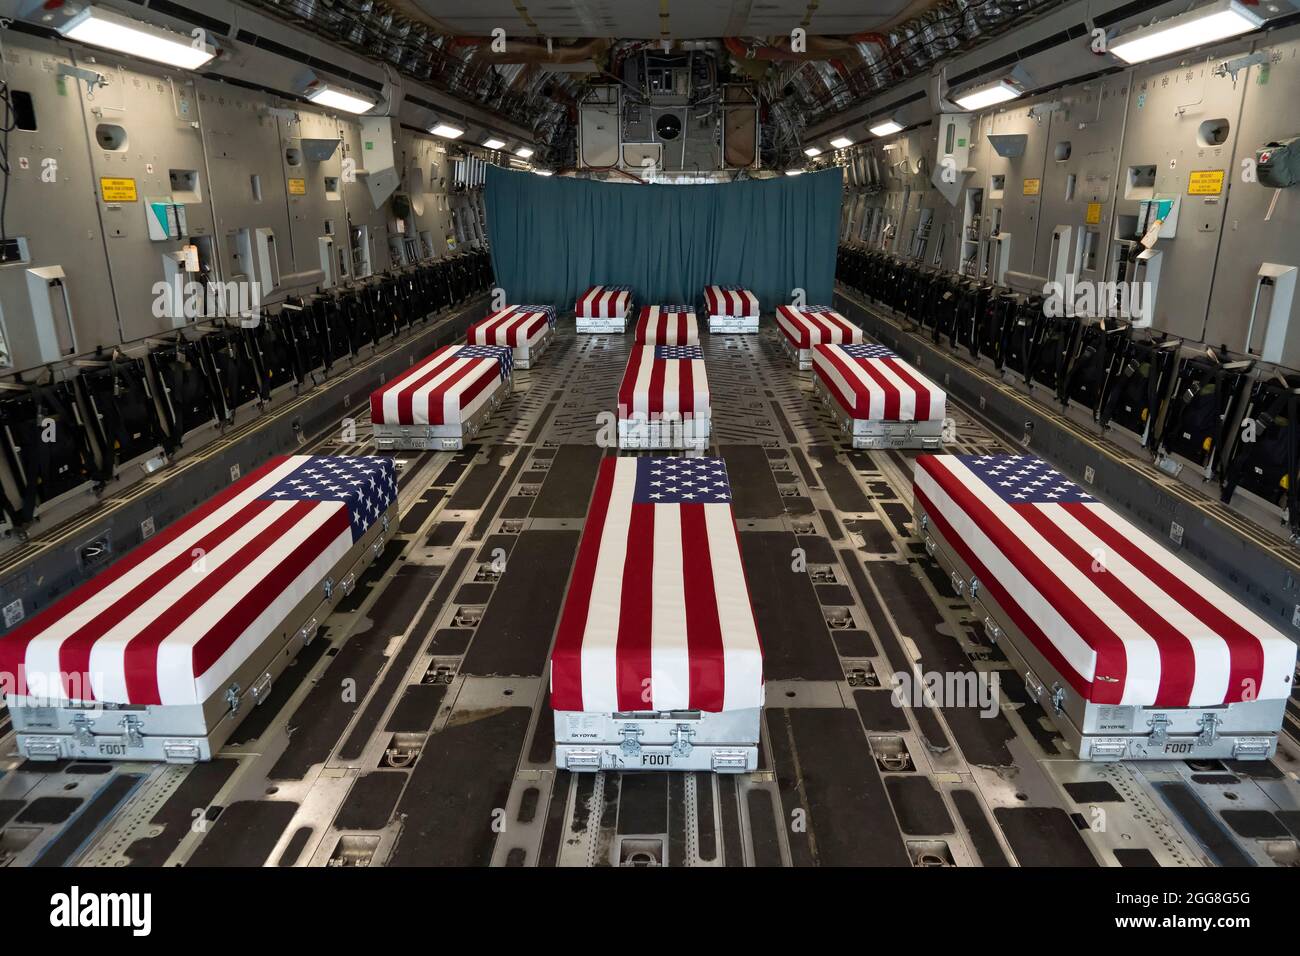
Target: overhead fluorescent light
<point>543,172</point>
<point>1208,24</point>
<point>812,151</point>
<point>492,143</point>
<point>841,142</point>
<point>887,128</point>
<point>446,131</point>
<point>990,94</point>
<point>794,172</point>
<point>113,31</point>
<point>523,152</point>
<point>331,97</point>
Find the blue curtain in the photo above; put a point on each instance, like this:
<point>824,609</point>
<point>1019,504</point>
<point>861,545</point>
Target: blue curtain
<point>552,237</point>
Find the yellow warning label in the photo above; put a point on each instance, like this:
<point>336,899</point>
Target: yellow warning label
<point>1094,214</point>
<point>297,187</point>
<point>1032,187</point>
<point>1205,182</point>
<point>117,190</point>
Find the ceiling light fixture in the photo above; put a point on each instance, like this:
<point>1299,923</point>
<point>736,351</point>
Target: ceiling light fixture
<point>841,142</point>
<point>811,151</point>
<point>887,128</point>
<point>446,131</point>
<point>990,94</point>
<point>523,152</point>
<point>493,143</point>
<point>122,34</point>
<point>1208,24</point>
<point>331,97</point>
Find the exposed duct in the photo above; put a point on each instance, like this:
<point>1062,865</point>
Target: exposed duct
<point>818,48</point>
<point>534,51</point>
<point>412,46</point>
<point>911,46</point>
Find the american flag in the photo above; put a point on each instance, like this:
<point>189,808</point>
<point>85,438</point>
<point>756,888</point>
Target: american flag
<point>548,310</point>
<point>604,302</point>
<point>445,388</point>
<point>872,383</point>
<point>504,355</point>
<point>731,300</point>
<point>514,326</point>
<point>806,326</point>
<point>173,620</point>
<point>867,350</point>
<point>666,325</point>
<point>679,352</point>
<point>1121,618</point>
<point>664,380</point>
<point>366,484</point>
<point>657,615</point>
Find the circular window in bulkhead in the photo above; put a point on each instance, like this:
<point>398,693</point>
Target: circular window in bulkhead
<point>110,136</point>
<point>1213,132</point>
<point>668,126</point>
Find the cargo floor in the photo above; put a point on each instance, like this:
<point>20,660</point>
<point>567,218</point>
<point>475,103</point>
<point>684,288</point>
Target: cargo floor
<point>416,731</point>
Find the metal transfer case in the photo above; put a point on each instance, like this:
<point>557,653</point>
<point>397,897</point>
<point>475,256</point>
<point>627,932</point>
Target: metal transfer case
<point>590,313</point>
<point>1108,732</point>
<point>725,742</point>
<point>802,358</point>
<point>872,433</point>
<point>527,354</point>
<point>447,437</point>
<point>731,309</point>
<point>185,734</point>
<point>640,432</point>
<point>615,325</point>
<point>733,324</point>
<point>693,700</point>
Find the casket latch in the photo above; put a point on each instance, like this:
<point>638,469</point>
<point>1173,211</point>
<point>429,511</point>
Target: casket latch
<point>631,735</point>
<point>682,734</point>
<point>1159,724</point>
<point>1209,730</point>
<point>133,730</point>
<point>81,730</point>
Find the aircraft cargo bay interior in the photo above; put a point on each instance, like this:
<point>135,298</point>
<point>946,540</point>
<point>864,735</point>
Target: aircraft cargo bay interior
<point>598,434</point>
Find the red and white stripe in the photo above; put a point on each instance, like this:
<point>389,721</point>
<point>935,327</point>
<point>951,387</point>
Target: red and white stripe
<point>172,621</point>
<point>878,389</point>
<point>741,304</point>
<point>443,389</point>
<point>511,326</point>
<point>653,387</point>
<point>657,615</point>
<point>659,326</point>
<point>1121,618</point>
<point>805,329</point>
<point>600,303</point>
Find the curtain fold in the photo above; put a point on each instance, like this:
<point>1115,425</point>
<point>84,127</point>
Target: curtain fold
<point>552,237</point>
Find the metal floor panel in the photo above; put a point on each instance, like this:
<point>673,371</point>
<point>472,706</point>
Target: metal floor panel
<point>416,729</point>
